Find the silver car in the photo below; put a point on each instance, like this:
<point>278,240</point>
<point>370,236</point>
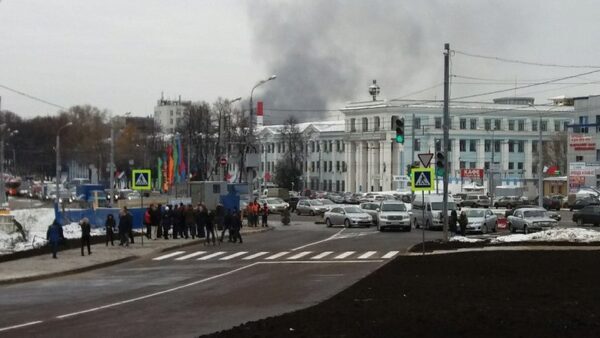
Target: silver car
<point>348,216</point>
<point>528,219</point>
<point>481,220</point>
<point>371,209</point>
<point>310,207</point>
<point>393,214</point>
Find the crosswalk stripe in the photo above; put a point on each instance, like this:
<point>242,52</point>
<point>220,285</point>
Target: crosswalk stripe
<point>344,255</point>
<point>258,254</point>
<point>207,257</point>
<point>390,254</point>
<point>237,254</point>
<point>300,255</point>
<point>322,255</point>
<point>172,254</point>
<point>277,255</point>
<point>367,254</point>
<point>194,254</point>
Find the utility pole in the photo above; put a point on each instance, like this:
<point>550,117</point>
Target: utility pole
<point>446,135</point>
<point>111,165</point>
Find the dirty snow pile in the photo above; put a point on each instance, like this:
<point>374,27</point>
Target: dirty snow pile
<point>555,235</point>
<point>35,222</point>
<point>465,239</point>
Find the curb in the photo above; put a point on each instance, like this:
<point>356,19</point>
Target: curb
<point>67,272</point>
<point>489,248</point>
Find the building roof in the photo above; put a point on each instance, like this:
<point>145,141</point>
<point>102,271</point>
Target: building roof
<point>320,126</point>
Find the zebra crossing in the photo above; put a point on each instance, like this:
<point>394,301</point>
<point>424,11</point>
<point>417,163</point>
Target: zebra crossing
<point>272,256</point>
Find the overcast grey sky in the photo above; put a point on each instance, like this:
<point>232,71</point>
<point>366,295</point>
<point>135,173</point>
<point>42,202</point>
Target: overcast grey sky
<point>120,55</point>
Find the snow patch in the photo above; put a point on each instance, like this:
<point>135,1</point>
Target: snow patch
<point>577,235</point>
<point>464,239</point>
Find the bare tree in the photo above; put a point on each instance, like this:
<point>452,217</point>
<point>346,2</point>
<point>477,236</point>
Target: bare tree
<point>289,168</point>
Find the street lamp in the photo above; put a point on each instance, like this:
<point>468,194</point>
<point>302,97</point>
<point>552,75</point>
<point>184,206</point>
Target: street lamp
<point>58,160</point>
<point>250,127</point>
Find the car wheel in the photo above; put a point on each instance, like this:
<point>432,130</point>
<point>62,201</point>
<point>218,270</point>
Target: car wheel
<point>525,230</point>
<point>347,223</point>
<point>511,228</point>
<point>328,222</point>
<point>416,224</point>
<point>580,222</point>
<point>298,212</point>
<point>427,226</point>
<point>312,213</point>
<point>484,229</point>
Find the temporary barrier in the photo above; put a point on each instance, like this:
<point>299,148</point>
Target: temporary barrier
<point>98,216</point>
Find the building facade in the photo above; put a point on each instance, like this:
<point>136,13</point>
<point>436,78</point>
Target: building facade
<point>168,113</point>
<point>583,152</point>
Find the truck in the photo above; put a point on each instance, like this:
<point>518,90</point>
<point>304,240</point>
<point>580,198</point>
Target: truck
<point>207,192</point>
<point>282,193</point>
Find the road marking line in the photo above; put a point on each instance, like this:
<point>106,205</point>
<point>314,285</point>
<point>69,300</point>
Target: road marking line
<point>262,253</point>
<point>197,253</point>
<point>131,300</point>
<point>344,255</point>
<point>237,254</point>
<point>277,255</point>
<point>322,255</point>
<point>207,257</point>
<point>390,254</point>
<point>321,241</point>
<point>367,254</point>
<point>325,262</point>
<point>300,255</point>
<point>20,325</point>
<point>172,254</point>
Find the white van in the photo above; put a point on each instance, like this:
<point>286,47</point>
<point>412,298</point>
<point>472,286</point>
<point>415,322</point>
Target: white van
<point>428,213</point>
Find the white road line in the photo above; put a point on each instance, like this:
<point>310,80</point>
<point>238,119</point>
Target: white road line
<point>194,254</point>
<point>258,254</point>
<point>172,254</point>
<point>344,255</point>
<point>321,241</point>
<point>131,300</point>
<point>390,254</point>
<point>367,254</point>
<point>207,257</point>
<point>277,255</point>
<point>237,254</point>
<point>322,255</point>
<point>300,255</point>
<point>325,262</point>
<point>20,325</point>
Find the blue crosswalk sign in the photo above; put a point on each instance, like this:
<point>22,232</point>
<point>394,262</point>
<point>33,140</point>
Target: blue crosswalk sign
<point>422,179</point>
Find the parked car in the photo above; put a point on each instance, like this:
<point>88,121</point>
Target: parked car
<point>294,201</point>
<point>587,215</point>
<point>427,211</point>
<point>548,203</point>
<point>581,203</point>
<point>335,198</point>
<point>530,219</point>
<point>554,215</point>
<point>509,212</point>
<point>476,201</point>
<point>351,198</point>
<point>348,216</point>
<point>310,207</point>
<point>481,220</point>
<point>508,202</point>
<point>127,194</point>
<point>276,205</point>
<point>327,203</point>
<point>459,197</point>
<point>393,214</point>
<point>371,209</point>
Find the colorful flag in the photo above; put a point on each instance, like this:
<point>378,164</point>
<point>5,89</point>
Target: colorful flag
<point>176,159</point>
<point>182,167</point>
<point>170,165</point>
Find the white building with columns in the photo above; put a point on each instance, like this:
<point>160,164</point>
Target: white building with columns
<point>358,153</point>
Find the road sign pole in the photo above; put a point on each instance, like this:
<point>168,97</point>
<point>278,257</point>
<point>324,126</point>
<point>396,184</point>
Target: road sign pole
<point>142,207</point>
<point>423,225</point>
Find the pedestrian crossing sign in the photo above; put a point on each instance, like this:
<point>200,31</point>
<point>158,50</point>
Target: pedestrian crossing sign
<point>422,179</point>
<point>141,179</point>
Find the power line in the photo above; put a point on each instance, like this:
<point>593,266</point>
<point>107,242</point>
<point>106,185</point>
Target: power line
<point>526,86</point>
<point>419,91</point>
<point>529,63</point>
<point>32,97</point>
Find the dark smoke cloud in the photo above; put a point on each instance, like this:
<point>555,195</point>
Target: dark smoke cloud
<point>326,53</point>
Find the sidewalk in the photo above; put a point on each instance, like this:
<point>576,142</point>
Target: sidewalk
<point>70,261</point>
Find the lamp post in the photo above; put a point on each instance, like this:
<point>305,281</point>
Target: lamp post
<point>222,129</point>
<point>58,161</point>
<point>250,126</point>
<point>3,197</point>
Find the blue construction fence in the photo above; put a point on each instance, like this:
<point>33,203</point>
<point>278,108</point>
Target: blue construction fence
<point>98,216</point>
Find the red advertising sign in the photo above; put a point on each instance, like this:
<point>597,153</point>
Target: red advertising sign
<point>259,108</point>
<point>581,142</point>
<point>471,173</point>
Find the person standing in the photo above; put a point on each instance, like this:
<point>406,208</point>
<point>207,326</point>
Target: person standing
<point>54,235</point>
<point>236,226</point>
<point>160,211</point>
<point>154,221</point>
<point>453,221</point>
<point>227,225</point>
<point>463,221</point>
<point>109,226</point>
<point>190,221</point>
<point>209,225</point>
<point>124,227</point>
<point>85,234</point>
<point>265,214</point>
<point>219,217</point>
<point>148,221</point>
<point>166,221</point>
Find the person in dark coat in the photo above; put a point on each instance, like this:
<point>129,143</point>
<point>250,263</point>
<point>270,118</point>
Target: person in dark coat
<point>86,235</point>
<point>227,226</point>
<point>166,221</point>
<point>189,217</point>
<point>124,226</point>
<point>54,235</point>
<point>160,212</point>
<point>452,221</point>
<point>210,227</point>
<point>236,226</point>
<point>463,221</point>
<point>109,226</point>
<point>265,214</point>
<point>180,220</point>
<point>219,217</point>
<point>154,221</point>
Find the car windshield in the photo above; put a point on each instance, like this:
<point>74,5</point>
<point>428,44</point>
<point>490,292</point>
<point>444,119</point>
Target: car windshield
<point>274,200</point>
<point>369,206</point>
<point>353,210</point>
<point>439,205</point>
<point>535,213</point>
<point>475,213</point>
<point>316,203</point>
<point>393,207</point>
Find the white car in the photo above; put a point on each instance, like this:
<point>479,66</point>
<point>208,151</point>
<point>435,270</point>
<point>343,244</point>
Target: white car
<point>393,214</point>
<point>275,204</point>
<point>528,219</point>
<point>481,220</point>
<point>347,216</point>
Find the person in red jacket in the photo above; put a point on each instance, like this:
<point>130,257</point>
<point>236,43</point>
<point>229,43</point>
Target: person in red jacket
<point>265,214</point>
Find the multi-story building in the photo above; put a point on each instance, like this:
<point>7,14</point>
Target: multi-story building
<point>168,113</point>
<point>584,143</point>
<point>359,154</point>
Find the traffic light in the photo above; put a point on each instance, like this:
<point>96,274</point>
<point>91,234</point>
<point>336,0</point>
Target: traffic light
<point>399,130</point>
<point>439,164</point>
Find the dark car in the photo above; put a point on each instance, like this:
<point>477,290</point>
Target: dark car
<point>549,203</point>
<point>587,215</point>
<point>294,201</point>
<point>351,199</point>
<point>510,212</point>
<point>335,198</point>
<point>581,203</point>
<point>508,202</point>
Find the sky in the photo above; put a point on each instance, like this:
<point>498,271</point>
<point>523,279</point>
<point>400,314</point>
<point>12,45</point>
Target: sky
<point>121,55</point>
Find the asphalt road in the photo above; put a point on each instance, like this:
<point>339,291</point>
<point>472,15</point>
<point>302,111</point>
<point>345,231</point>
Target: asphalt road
<point>186,292</point>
